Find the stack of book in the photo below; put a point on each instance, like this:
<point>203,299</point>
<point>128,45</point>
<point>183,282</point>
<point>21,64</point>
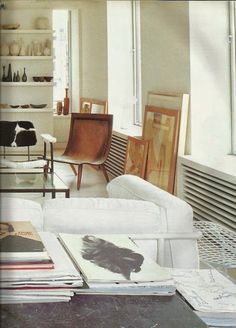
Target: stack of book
<point>34,266</point>
<point>114,264</point>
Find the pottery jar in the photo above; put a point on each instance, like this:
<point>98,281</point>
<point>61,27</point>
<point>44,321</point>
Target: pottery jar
<point>42,23</point>
<point>47,51</point>
<point>59,107</point>
<point>4,49</point>
<point>14,48</point>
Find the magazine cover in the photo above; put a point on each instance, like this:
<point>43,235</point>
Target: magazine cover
<point>111,258</point>
<point>20,239</point>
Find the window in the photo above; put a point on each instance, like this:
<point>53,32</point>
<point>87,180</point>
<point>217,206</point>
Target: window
<point>232,5</point>
<point>61,50</point>
<point>124,86</point>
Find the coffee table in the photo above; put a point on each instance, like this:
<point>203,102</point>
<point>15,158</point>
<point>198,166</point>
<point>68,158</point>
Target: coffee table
<point>35,182</point>
<point>103,311</point>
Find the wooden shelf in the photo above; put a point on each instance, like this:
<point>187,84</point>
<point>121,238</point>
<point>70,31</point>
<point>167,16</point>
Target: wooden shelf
<point>26,58</point>
<point>27,110</point>
<point>26,84</point>
<point>19,31</point>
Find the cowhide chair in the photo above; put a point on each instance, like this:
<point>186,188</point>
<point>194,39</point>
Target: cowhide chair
<point>22,134</point>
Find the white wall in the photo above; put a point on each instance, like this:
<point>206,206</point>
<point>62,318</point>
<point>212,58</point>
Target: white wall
<point>93,49</point>
<point>164,47</point>
<point>210,84</point>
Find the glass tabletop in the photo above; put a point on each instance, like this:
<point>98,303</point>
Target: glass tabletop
<point>31,182</point>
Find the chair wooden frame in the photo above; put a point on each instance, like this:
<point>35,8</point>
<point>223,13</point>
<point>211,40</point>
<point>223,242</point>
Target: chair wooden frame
<point>89,142</point>
<point>86,105</point>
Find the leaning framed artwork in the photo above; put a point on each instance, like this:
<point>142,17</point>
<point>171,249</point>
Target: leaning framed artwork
<point>178,101</point>
<point>136,156</point>
<point>85,106</point>
<point>93,106</point>
<point>161,130</point>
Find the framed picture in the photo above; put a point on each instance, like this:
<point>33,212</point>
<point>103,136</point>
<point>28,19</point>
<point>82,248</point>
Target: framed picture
<point>178,101</point>
<point>93,106</point>
<point>85,106</point>
<point>136,156</point>
<point>161,129</point>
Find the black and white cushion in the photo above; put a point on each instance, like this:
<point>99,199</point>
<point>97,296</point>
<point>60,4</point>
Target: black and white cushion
<point>17,134</point>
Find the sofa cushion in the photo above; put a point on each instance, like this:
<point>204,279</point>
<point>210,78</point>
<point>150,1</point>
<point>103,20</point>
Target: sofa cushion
<point>101,215</point>
<point>19,209</point>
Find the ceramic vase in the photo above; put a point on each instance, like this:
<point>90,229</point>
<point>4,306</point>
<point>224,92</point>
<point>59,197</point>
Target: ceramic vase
<point>17,77</point>
<point>66,103</point>
<point>9,74</point>
<point>14,48</point>
<point>4,49</point>
<point>4,78</point>
<point>42,23</point>
<point>22,49</point>
<point>24,76</point>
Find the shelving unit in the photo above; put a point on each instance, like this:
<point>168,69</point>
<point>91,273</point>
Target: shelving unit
<point>29,92</point>
<point>36,65</point>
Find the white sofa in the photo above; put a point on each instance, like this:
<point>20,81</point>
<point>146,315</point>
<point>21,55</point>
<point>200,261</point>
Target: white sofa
<point>134,207</point>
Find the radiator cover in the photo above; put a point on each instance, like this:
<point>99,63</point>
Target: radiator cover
<point>211,194</point>
<point>116,158</point>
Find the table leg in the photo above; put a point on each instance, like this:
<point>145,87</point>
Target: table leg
<point>67,193</point>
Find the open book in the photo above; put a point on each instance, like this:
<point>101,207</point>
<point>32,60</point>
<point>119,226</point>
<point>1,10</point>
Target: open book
<point>114,262</point>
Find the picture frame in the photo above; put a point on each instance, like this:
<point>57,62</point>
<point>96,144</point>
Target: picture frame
<point>93,106</point>
<point>161,129</point>
<point>85,107</point>
<point>136,157</point>
<point>178,101</point>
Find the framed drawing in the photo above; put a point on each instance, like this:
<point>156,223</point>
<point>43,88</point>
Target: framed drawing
<point>136,157</point>
<point>161,129</point>
<point>85,106</point>
<point>178,101</point>
<point>93,106</point>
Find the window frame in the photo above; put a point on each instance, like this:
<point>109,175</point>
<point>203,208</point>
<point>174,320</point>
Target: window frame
<point>137,85</point>
<point>232,42</point>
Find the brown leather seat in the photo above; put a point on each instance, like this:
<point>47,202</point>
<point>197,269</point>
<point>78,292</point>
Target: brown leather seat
<point>89,142</point>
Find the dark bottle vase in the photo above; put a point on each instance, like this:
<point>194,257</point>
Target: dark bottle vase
<point>17,77</point>
<point>24,76</point>
<point>14,77</point>
<point>9,74</point>
<point>4,78</point>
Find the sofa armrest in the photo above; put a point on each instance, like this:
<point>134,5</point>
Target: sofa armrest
<point>178,212</point>
<point>179,216</point>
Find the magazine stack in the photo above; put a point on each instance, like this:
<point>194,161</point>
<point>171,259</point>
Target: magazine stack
<point>34,266</point>
<point>114,264</point>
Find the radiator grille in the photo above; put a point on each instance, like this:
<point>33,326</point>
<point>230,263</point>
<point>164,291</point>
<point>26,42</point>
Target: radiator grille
<point>116,159</point>
<point>212,198</point>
